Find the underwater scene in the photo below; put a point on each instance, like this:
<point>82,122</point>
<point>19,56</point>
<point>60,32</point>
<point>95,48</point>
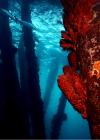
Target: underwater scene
<point>31,59</point>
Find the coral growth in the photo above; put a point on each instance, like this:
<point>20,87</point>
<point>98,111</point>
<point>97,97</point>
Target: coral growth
<point>81,20</point>
<point>74,89</point>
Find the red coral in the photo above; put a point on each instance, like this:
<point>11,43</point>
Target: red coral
<point>76,20</point>
<point>68,41</point>
<point>72,58</point>
<point>74,89</point>
<point>81,20</point>
<point>78,14</point>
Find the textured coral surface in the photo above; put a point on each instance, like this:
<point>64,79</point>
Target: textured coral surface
<point>81,20</point>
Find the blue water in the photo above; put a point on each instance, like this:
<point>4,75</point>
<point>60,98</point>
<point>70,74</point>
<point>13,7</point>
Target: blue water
<point>47,23</point>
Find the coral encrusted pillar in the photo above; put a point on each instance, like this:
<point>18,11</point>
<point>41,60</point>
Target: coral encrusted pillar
<point>80,82</point>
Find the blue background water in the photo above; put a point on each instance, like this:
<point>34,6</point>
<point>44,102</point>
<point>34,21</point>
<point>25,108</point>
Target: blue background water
<point>47,23</point>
